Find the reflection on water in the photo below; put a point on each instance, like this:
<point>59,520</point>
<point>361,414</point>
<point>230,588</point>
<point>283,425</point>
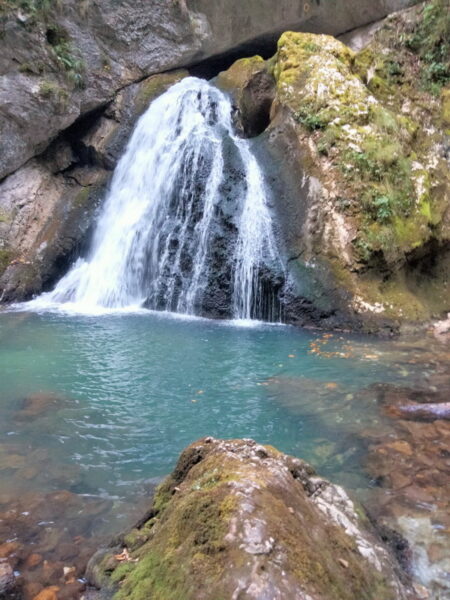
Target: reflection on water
<point>93,410</point>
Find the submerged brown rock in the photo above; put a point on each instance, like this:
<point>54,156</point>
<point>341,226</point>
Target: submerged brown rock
<point>240,520</point>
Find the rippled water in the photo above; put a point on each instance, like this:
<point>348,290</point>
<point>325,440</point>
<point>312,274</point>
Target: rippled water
<point>129,391</point>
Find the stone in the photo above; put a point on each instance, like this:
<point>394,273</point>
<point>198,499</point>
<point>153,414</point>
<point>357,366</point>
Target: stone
<point>409,460</point>
<point>38,404</point>
<point>33,561</point>
<point>7,580</point>
<point>31,590</point>
<point>48,593</point>
<point>253,91</point>
<point>253,524</point>
<point>67,63</point>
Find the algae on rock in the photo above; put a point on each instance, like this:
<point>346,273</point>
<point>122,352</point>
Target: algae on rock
<point>237,519</point>
<point>368,162</point>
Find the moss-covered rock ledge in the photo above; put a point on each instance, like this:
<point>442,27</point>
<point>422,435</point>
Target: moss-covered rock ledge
<point>239,520</point>
<point>358,149</point>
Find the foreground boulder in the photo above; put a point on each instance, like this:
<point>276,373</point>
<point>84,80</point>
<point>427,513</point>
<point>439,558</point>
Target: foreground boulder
<point>240,520</point>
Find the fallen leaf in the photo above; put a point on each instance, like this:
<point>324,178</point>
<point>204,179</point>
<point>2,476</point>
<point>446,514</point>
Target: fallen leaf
<point>125,556</point>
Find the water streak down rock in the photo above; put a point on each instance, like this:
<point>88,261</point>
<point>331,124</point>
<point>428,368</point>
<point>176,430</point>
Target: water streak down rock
<point>240,520</point>
<point>186,226</point>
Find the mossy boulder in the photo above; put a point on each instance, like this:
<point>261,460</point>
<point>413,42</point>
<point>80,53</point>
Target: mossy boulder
<point>237,519</point>
<point>252,88</point>
<point>359,141</point>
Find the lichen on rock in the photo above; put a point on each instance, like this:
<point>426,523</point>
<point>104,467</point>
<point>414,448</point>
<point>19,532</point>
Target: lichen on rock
<point>237,519</point>
<point>367,150</point>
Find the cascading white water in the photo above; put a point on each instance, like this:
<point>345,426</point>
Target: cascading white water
<point>171,210</point>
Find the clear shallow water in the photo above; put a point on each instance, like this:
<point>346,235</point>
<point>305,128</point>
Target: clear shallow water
<point>129,391</point>
<point>137,388</point>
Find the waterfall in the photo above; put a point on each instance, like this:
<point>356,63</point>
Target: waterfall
<point>185,226</point>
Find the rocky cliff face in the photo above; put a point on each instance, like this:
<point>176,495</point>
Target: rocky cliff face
<point>47,206</point>
<point>62,60</point>
<point>357,148</point>
<point>62,65</point>
<point>240,520</point>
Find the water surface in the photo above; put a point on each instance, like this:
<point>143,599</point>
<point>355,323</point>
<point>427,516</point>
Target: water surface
<point>129,391</point>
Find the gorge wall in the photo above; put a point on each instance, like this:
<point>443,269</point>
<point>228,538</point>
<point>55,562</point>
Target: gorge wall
<point>76,76</point>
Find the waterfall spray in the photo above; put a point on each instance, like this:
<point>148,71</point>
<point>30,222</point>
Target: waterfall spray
<point>156,239</point>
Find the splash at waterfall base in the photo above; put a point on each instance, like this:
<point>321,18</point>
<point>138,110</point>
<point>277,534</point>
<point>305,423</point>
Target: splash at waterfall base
<point>186,226</point>
<point>238,519</point>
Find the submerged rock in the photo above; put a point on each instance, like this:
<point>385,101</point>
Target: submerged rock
<point>237,519</point>
<point>408,459</point>
<point>7,581</point>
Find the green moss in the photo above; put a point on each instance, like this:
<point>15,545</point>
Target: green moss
<point>53,91</point>
<point>342,102</point>
<point>445,111</point>
<point>83,197</point>
<point>430,40</point>
<point>6,256</point>
<point>154,86</point>
<point>237,76</point>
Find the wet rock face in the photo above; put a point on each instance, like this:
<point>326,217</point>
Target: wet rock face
<point>47,206</point>
<point>58,65</point>
<point>237,519</point>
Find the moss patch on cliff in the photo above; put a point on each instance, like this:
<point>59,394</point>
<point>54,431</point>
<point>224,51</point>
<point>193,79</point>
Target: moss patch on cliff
<point>6,257</point>
<point>154,86</point>
<point>371,133</point>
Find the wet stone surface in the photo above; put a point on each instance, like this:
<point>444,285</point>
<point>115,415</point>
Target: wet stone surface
<point>410,463</point>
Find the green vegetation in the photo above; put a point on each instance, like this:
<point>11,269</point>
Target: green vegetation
<point>430,40</point>
<point>66,56</point>
<point>310,119</point>
<point>50,89</point>
<point>36,8</point>
<point>5,258</point>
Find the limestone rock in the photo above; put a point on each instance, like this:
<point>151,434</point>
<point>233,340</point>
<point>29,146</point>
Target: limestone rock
<point>57,65</point>
<point>357,149</point>
<point>47,206</point>
<point>237,519</point>
<point>253,90</point>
